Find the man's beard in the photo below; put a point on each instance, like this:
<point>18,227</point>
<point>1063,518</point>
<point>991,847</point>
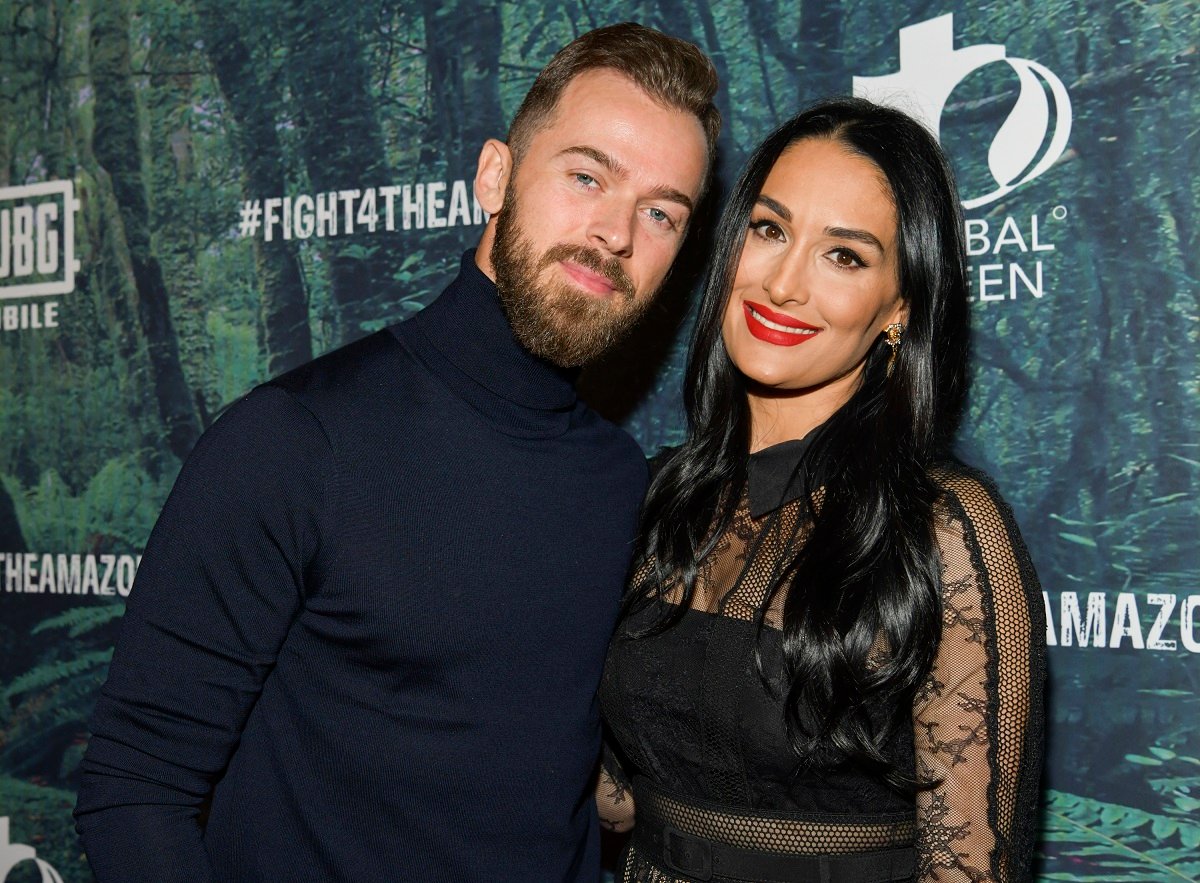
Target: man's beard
<point>554,320</point>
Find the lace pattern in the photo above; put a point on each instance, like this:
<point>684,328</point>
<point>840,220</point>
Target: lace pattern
<point>977,719</point>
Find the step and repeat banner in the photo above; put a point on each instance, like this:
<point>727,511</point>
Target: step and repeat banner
<point>197,195</point>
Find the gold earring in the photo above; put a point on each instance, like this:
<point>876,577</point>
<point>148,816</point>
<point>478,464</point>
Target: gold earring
<point>893,333</point>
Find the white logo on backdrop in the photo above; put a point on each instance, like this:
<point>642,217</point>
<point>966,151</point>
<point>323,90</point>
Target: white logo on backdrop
<point>930,67</point>
<point>37,240</point>
<point>12,854</point>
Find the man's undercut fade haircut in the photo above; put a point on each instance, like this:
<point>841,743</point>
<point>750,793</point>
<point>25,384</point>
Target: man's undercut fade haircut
<point>673,72</point>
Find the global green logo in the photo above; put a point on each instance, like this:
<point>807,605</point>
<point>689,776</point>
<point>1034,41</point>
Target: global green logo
<point>1028,142</point>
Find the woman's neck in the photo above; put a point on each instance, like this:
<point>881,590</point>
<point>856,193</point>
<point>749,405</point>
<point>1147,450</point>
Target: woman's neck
<point>779,415</point>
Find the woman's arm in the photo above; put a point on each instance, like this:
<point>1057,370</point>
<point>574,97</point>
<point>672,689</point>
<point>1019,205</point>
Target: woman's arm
<point>614,796</point>
<point>978,721</point>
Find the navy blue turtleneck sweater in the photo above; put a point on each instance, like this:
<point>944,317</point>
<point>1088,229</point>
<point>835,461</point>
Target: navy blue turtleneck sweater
<point>370,622</point>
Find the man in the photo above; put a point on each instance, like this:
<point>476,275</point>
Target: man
<point>368,627</point>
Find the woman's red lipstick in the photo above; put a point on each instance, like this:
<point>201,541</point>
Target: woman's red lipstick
<point>786,331</point>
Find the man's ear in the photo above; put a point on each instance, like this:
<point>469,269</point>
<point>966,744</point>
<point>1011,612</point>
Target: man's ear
<point>492,175</point>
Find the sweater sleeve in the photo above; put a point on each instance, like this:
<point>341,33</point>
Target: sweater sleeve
<point>978,721</point>
<point>219,585</point>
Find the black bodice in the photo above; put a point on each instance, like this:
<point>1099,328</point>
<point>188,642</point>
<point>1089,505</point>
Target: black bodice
<point>696,718</point>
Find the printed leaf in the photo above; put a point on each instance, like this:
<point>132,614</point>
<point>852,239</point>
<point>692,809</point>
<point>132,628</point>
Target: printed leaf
<point>1076,538</point>
<point>1144,761</point>
<point>1122,842</point>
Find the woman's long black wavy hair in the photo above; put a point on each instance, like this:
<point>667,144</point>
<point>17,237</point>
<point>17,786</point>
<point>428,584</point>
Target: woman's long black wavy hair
<point>869,566</point>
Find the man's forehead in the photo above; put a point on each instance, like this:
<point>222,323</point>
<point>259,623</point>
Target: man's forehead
<point>609,112</point>
<point>611,89</point>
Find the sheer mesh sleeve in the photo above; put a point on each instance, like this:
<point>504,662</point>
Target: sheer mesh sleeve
<point>978,719</point>
<point>614,794</point>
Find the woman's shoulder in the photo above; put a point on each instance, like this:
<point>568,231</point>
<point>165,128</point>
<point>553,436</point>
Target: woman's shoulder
<point>973,519</point>
<point>971,508</point>
<point>968,492</point>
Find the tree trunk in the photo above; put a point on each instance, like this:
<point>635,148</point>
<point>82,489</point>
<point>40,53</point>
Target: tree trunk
<point>53,97</point>
<point>173,213</point>
<point>343,150</point>
<point>462,66</point>
<point>13,87</point>
<point>817,58</point>
<point>821,47</point>
<point>254,105</point>
<point>115,146</point>
<point>11,538</point>
<point>712,45</point>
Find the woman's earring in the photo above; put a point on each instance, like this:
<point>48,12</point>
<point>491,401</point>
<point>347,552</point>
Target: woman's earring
<point>893,333</point>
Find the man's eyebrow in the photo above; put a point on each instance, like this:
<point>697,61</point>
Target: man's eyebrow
<point>599,156</point>
<point>662,191</point>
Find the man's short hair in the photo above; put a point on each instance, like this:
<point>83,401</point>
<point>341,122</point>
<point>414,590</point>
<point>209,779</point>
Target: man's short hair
<point>673,72</point>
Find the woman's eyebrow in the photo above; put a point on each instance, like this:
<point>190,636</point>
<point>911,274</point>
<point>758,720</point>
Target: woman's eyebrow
<point>774,205</point>
<point>857,235</point>
<point>835,232</point>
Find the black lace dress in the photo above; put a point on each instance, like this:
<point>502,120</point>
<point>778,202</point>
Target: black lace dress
<point>699,741</point>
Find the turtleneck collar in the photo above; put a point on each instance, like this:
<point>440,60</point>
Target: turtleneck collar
<point>465,338</point>
<point>771,478</point>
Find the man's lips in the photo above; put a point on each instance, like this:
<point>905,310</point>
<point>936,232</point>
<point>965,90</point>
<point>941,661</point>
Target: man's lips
<point>777,328</point>
<point>590,280</point>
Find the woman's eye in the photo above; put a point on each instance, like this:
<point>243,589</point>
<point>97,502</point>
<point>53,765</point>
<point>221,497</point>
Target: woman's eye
<point>768,230</point>
<point>844,257</point>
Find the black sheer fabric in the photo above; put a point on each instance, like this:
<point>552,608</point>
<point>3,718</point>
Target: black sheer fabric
<point>699,745</point>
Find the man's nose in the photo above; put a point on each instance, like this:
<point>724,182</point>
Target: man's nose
<point>611,229</point>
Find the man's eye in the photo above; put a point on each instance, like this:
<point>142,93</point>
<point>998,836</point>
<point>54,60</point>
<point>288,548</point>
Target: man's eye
<point>584,179</point>
<point>659,216</point>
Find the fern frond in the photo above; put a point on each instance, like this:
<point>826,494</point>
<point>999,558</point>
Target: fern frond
<point>61,669</point>
<point>1090,840</point>
<point>81,620</point>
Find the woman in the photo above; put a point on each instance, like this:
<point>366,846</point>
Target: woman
<point>830,663</point>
